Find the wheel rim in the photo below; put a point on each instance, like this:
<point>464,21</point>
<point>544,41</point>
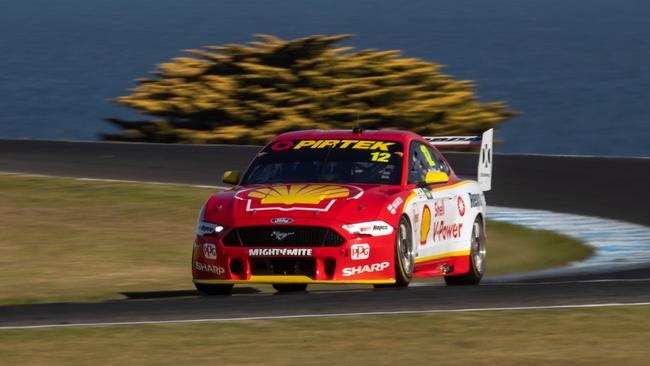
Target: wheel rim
<point>478,247</point>
<point>405,248</point>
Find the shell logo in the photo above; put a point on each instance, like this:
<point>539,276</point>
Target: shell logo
<point>311,194</point>
<point>426,225</point>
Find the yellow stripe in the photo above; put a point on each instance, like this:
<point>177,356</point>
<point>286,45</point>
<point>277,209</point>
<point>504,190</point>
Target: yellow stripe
<point>443,255</point>
<point>294,279</point>
<point>412,195</point>
<point>462,182</point>
<point>408,199</point>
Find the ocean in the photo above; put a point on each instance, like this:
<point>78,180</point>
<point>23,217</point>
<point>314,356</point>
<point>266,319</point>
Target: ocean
<point>578,71</point>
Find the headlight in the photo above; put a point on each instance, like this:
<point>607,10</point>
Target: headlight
<point>372,228</point>
<point>206,228</point>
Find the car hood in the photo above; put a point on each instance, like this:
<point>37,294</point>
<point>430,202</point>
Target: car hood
<point>341,202</point>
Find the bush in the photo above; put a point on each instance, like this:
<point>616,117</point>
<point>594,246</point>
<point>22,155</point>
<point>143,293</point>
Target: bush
<point>250,93</point>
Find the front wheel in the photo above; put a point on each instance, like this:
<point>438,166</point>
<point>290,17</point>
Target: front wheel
<point>212,290</point>
<point>404,261</point>
<point>477,258</point>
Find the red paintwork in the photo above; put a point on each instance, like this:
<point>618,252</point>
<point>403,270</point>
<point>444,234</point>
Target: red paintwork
<point>228,208</point>
<point>460,264</point>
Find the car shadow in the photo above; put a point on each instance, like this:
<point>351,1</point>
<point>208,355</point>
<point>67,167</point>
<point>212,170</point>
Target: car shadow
<point>140,295</point>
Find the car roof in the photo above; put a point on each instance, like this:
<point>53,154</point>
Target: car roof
<point>390,135</point>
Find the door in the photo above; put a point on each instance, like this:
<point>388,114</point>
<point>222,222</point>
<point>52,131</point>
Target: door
<point>433,207</point>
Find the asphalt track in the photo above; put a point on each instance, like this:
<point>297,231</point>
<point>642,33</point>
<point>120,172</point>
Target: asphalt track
<point>615,188</point>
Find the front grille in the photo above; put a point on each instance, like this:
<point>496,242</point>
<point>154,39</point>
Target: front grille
<point>286,236</point>
<point>283,266</point>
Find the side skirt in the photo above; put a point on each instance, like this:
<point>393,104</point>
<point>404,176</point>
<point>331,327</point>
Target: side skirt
<point>447,266</point>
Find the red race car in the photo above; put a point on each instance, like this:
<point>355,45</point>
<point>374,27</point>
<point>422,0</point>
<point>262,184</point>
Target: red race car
<point>345,207</point>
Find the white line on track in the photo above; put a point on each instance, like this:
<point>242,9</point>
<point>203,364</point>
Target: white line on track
<point>536,283</point>
<point>326,315</point>
<point>606,280</point>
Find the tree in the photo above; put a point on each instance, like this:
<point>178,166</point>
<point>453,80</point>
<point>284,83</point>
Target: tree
<point>248,94</point>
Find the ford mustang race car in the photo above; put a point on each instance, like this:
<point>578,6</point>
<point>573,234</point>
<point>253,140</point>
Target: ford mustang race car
<point>345,207</point>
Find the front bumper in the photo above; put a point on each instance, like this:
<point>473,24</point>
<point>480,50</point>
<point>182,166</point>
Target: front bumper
<point>359,260</point>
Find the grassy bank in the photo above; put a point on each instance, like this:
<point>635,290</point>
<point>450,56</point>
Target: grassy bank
<point>71,240</point>
<point>603,336</point>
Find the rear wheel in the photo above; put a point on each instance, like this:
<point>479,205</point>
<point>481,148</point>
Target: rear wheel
<point>211,290</point>
<point>290,287</point>
<point>477,258</point>
<point>404,261</point>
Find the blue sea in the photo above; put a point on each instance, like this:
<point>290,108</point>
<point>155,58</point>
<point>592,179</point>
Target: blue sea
<point>578,71</point>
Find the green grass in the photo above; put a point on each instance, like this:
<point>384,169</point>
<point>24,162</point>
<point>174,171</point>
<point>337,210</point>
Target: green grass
<point>513,248</point>
<point>603,336</point>
<point>71,240</point>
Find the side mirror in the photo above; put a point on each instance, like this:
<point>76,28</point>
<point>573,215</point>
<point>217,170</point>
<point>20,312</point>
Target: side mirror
<point>436,177</point>
<point>231,177</point>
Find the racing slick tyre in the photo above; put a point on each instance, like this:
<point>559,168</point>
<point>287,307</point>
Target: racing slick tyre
<point>290,287</point>
<point>211,290</point>
<point>477,258</point>
<point>404,261</point>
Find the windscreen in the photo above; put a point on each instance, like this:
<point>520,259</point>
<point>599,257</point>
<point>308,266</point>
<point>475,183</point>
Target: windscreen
<point>328,161</point>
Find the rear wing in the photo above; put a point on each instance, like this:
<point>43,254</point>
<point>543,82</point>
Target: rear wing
<point>484,174</point>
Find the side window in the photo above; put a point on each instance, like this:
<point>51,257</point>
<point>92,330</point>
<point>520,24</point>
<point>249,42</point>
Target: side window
<point>440,164</point>
<point>423,159</point>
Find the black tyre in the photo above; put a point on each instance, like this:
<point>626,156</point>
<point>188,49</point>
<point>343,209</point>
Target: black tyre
<point>477,258</point>
<point>290,287</point>
<point>212,290</point>
<point>404,261</point>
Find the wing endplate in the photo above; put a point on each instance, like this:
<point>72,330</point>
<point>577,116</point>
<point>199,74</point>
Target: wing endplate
<point>485,161</point>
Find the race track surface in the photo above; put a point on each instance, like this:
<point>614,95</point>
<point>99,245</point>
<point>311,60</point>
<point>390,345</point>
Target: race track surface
<point>615,188</point>
<point>346,302</point>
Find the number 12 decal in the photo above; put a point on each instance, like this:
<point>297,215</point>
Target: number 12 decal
<point>381,157</point>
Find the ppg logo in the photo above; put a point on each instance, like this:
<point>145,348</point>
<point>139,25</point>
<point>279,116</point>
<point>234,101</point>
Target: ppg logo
<point>360,251</point>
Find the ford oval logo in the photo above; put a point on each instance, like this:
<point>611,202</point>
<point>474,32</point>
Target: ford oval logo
<point>281,220</point>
